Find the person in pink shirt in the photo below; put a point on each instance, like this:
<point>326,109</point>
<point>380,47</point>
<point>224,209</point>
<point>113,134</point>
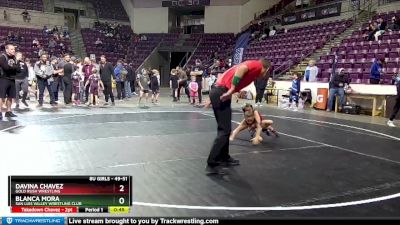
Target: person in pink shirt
<point>193,89</point>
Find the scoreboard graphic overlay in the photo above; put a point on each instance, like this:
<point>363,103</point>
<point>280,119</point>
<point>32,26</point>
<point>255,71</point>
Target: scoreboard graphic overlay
<point>70,194</point>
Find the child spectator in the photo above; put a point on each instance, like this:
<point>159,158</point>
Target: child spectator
<point>174,84</point>
<point>76,87</point>
<point>143,81</point>
<point>155,86</point>
<point>193,89</point>
<point>294,92</point>
<point>94,83</point>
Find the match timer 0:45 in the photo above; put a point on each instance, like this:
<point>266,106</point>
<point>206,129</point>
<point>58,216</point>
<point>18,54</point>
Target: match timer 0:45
<point>70,194</point>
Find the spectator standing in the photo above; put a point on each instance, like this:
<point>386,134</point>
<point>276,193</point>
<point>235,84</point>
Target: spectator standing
<point>87,71</point>
<point>21,81</point>
<point>56,84</point>
<point>198,71</point>
<point>311,72</point>
<point>44,72</point>
<point>155,86</point>
<point>260,83</point>
<point>396,107</point>
<point>183,82</point>
<point>67,70</point>
<point>174,79</point>
<point>120,77</point>
<point>106,75</point>
<point>9,67</point>
<point>338,83</point>
<point>130,80</point>
<point>294,92</point>
<point>376,71</point>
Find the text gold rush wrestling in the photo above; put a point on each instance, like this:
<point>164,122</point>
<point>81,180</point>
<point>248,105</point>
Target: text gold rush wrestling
<point>38,188</point>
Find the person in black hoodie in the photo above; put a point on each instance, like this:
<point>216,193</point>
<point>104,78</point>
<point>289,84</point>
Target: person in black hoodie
<point>9,67</point>
<point>260,84</point>
<point>396,107</point>
<point>106,73</point>
<point>130,80</point>
<point>56,84</point>
<point>381,28</point>
<point>339,81</point>
<point>66,69</point>
<point>21,82</point>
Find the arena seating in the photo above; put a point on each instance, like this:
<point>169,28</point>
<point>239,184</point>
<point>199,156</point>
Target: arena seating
<point>28,34</point>
<point>138,51</point>
<point>209,44</point>
<point>90,36</point>
<point>23,4</point>
<point>107,9</point>
<point>356,55</point>
<point>134,51</point>
<point>296,43</point>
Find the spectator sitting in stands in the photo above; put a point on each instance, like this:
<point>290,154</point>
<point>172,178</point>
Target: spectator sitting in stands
<point>25,16</point>
<point>10,36</point>
<point>35,43</point>
<point>18,37</point>
<point>395,26</point>
<point>55,29</point>
<point>381,28</point>
<point>372,29</point>
<point>120,47</point>
<point>5,15</point>
<point>45,30</point>
<point>273,31</point>
<point>143,38</point>
<point>98,42</point>
<point>265,33</point>
<point>66,34</point>
<point>52,43</point>
<point>56,36</point>
<point>41,51</point>
<point>110,48</point>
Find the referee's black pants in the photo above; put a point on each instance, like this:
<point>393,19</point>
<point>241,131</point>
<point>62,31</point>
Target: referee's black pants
<point>223,115</point>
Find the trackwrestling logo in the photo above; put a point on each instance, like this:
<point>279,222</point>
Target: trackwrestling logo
<point>9,220</point>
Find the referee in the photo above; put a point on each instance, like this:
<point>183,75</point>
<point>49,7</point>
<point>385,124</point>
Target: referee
<point>9,67</point>
<point>233,80</point>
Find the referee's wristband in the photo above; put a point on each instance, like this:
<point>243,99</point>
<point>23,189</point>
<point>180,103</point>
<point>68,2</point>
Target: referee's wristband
<point>236,80</point>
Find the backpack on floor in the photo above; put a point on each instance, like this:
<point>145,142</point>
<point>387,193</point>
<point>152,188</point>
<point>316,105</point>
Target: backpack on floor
<point>351,109</point>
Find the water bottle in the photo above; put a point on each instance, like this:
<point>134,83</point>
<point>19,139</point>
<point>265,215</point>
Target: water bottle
<point>301,104</point>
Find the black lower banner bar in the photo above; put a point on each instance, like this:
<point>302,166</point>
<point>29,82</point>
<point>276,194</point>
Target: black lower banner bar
<point>206,221</point>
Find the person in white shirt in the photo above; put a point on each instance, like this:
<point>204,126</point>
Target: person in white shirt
<point>98,42</point>
<point>272,32</point>
<point>311,72</point>
<point>35,42</point>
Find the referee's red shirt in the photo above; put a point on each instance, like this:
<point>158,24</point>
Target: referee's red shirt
<point>254,66</point>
